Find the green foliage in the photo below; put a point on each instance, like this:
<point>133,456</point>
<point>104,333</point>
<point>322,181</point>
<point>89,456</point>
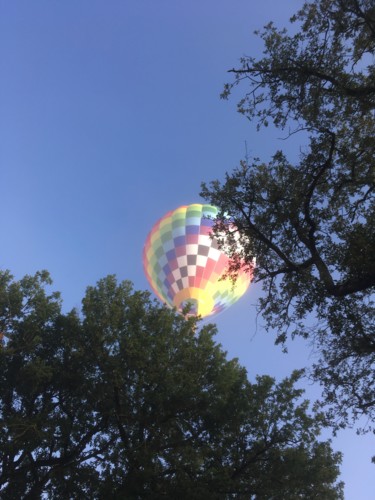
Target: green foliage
<point>311,225</point>
<point>129,400</point>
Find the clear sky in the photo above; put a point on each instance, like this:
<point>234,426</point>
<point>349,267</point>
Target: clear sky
<point>109,117</point>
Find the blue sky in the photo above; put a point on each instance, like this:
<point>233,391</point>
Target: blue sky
<point>109,117</point>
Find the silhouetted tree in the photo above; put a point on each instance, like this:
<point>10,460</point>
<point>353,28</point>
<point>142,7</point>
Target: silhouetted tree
<point>127,399</point>
<point>311,224</point>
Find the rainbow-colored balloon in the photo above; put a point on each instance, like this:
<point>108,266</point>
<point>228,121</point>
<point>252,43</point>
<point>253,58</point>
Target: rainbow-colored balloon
<point>184,264</point>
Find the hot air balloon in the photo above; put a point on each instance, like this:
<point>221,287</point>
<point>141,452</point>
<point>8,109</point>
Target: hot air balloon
<point>184,264</point>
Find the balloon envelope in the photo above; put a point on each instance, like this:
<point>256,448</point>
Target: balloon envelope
<point>184,264</point>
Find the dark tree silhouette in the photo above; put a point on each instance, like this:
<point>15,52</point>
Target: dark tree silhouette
<point>311,224</point>
<point>129,400</point>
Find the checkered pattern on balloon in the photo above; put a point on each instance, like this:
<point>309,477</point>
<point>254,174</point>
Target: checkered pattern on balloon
<point>184,264</point>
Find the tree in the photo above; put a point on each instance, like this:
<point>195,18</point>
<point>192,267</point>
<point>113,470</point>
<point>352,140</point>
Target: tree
<point>311,224</point>
<point>127,399</point>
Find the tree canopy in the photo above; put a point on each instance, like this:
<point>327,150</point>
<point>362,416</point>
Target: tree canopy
<point>127,399</point>
<point>311,223</point>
